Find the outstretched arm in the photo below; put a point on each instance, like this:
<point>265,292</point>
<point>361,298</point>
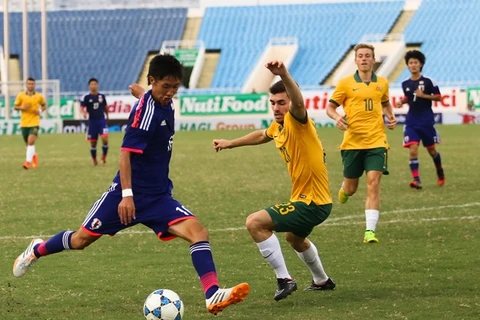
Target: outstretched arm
<point>251,139</point>
<point>297,107</point>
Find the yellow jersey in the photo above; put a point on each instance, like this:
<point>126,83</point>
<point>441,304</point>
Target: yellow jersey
<point>362,103</point>
<point>34,101</point>
<point>302,151</point>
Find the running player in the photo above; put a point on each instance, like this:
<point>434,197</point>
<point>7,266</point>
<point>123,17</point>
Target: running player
<point>419,93</point>
<point>365,99</point>
<point>31,104</point>
<point>95,105</point>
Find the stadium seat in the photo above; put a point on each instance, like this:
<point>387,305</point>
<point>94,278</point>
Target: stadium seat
<point>451,47</point>
<point>85,44</point>
<point>243,32</point>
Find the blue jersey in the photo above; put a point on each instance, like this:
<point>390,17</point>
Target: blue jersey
<point>96,104</point>
<point>149,138</point>
<point>420,111</point>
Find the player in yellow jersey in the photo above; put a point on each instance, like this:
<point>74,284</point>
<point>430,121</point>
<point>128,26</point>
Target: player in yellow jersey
<point>310,204</point>
<point>365,99</point>
<point>30,103</point>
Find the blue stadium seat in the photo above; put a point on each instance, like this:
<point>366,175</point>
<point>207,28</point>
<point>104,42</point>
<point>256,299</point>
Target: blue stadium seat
<point>108,44</point>
<point>451,46</point>
<point>325,32</point>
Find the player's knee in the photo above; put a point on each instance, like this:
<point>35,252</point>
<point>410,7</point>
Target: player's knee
<point>413,151</point>
<point>202,233</point>
<point>80,243</point>
<point>349,190</point>
<point>373,186</point>
<point>259,224</point>
<point>252,223</point>
<point>196,233</point>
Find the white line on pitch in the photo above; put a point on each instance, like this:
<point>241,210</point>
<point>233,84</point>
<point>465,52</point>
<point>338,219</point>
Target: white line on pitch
<point>382,213</point>
<point>332,222</point>
<point>406,220</point>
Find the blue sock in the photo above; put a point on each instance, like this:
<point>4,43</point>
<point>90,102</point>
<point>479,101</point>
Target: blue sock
<point>59,242</point>
<point>203,263</point>
<point>414,165</point>
<point>93,152</point>
<point>437,160</point>
<point>105,150</point>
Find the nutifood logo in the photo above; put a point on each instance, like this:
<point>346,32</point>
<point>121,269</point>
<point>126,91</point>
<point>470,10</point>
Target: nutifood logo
<point>205,105</point>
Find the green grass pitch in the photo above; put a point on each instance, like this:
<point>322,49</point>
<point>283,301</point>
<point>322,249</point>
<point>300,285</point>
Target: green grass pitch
<point>426,265</point>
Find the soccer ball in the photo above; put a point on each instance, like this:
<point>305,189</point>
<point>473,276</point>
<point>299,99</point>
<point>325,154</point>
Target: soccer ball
<point>163,304</point>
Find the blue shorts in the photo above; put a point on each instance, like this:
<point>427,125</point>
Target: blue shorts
<point>413,135</point>
<point>96,127</point>
<point>157,212</point>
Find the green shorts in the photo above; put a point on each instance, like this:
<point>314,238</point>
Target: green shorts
<point>357,161</point>
<point>298,217</point>
<point>26,131</point>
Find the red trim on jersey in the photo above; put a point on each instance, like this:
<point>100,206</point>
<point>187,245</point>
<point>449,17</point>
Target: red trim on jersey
<point>132,150</point>
<point>92,140</point>
<point>104,135</point>
<point>91,232</point>
<point>430,147</point>
<point>406,145</point>
<point>171,223</point>
<point>138,113</point>
<point>159,235</point>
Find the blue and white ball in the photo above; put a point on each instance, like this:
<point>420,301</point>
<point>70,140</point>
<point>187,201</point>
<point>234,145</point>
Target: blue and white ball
<point>163,304</point>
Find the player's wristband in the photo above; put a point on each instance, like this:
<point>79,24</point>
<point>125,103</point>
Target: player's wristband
<point>127,193</point>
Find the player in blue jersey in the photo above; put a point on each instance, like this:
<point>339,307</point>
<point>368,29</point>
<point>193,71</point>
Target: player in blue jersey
<point>95,105</point>
<point>419,93</point>
<point>141,191</point>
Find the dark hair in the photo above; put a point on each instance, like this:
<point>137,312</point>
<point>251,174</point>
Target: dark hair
<point>415,54</point>
<point>277,87</point>
<point>30,79</point>
<point>92,80</point>
<point>165,65</point>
